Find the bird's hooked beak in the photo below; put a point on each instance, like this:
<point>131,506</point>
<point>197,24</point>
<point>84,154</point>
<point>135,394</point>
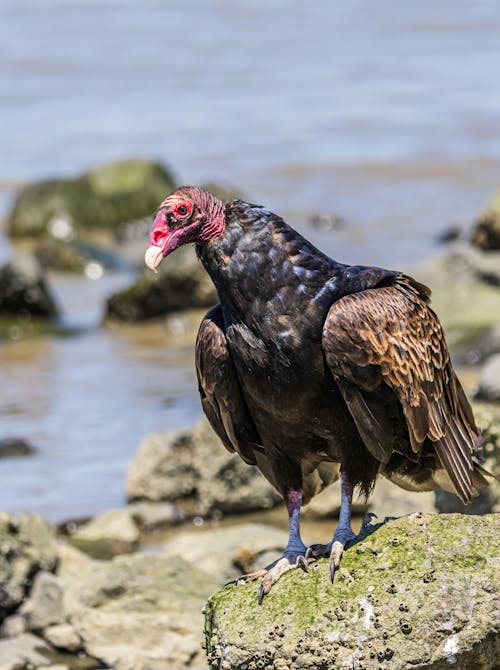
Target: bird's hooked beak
<point>162,242</point>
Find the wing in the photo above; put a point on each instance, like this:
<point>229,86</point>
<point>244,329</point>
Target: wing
<point>220,391</point>
<point>386,349</point>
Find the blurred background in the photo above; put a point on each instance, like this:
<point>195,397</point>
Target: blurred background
<point>374,128</point>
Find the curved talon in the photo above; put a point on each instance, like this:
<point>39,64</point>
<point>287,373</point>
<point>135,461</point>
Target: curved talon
<point>261,593</point>
<point>333,568</point>
<point>302,563</point>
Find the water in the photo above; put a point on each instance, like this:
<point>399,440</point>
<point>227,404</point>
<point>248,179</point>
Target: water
<point>387,114</point>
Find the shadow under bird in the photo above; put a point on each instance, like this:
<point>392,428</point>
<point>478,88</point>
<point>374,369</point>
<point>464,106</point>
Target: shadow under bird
<point>314,370</point>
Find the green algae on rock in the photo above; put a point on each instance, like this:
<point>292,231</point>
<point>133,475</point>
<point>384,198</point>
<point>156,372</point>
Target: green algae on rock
<point>103,198</point>
<point>418,592</point>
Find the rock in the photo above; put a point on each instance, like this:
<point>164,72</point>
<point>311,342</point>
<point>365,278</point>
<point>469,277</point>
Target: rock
<point>24,651</point>
<point>181,283</point>
<point>420,591</point>
<point>27,545</point>
<point>151,516</point>
<point>448,503</point>
<point>70,560</point>
<point>13,447</point>
<point>12,626</point>
<point>227,552</point>
<point>101,199</point>
<point>194,469</point>
<point>140,612</point>
<point>44,605</point>
<point>63,636</point>
<point>24,293</point>
<point>108,534</point>
<point>489,380</point>
<point>486,232</point>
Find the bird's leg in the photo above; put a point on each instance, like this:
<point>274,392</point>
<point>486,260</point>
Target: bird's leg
<point>294,554</point>
<point>343,533</point>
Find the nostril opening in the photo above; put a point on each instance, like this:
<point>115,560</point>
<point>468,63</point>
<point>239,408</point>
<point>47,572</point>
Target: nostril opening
<point>157,235</point>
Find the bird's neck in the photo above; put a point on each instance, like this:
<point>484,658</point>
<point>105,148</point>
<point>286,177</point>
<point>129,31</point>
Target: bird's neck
<point>260,265</point>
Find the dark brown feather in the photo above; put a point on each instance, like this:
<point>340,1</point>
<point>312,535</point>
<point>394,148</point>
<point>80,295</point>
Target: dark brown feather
<point>389,338</point>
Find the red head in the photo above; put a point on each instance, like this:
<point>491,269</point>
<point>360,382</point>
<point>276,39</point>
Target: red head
<point>189,214</point>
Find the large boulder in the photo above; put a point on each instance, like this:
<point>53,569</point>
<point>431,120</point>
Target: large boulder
<point>97,200</point>
<point>193,469</point>
<point>140,612</point>
<point>420,591</point>
<point>27,545</point>
<point>181,283</point>
<point>486,232</point>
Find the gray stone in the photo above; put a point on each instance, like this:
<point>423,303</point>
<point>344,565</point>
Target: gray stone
<point>23,652</point>
<point>44,605</point>
<point>194,469</point>
<point>13,625</point>
<point>140,612</point>
<point>420,591</point>
<point>489,380</point>
<point>70,560</point>
<point>27,545</point>
<point>108,534</point>
<point>225,553</point>
<point>63,636</point>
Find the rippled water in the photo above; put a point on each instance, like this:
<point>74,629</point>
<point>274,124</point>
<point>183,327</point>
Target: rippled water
<point>387,114</point>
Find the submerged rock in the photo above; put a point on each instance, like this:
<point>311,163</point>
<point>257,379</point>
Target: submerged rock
<point>13,447</point>
<point>194,469</point>
<point>102,198</point>
<point>420,591</point>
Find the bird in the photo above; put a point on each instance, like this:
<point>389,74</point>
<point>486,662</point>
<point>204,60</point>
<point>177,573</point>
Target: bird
<point>317,371</point>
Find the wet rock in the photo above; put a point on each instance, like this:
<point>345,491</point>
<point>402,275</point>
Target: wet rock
<point>108,534</point>
<point>194,467</point>
<point>486,232</point>
<point>97,200</point>
<point>140,612</point>
<point>13,447</point>
<point>44,605</point>
<point>27,545</point>
<point>181,283</point>
<point>489,380</point>
<point>151,516</point>
<point>24,293</point>
<point>225,553</point>
<point>403,598</point>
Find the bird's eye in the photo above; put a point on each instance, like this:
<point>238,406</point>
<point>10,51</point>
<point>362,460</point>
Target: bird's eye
<point>182,210</point>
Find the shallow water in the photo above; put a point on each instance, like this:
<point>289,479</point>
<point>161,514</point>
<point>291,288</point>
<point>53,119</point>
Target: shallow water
<point>387,115</point>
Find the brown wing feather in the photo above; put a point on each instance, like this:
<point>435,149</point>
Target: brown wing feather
<point>220,390</point>
<point>388,340</point>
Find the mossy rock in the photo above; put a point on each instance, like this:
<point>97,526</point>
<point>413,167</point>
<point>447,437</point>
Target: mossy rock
<point>181,283</point>
<point>417,592</point>
<point>103,198</point>
<point>486,232</point>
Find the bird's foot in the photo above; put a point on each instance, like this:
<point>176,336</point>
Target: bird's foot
<point>270,574</point>
<point>333,549</point>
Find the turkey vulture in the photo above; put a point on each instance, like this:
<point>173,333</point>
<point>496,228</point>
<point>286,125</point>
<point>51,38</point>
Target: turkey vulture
<point>314,370</point>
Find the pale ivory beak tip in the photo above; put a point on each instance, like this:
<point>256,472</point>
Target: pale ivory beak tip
<point>153,257</point>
